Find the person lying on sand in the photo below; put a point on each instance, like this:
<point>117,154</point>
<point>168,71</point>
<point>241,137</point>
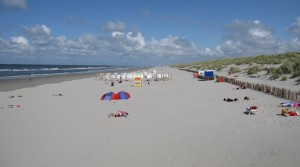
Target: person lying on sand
<point>230,100</point>
<point>14,96</point>
<point>118,114</point>
<point>289,104</point>
<point>58,94</point>
<point>285,112</point>
<point>246,98</point>
<point>242,87</point>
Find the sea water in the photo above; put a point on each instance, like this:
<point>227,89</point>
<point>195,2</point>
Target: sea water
<point>9,71</point>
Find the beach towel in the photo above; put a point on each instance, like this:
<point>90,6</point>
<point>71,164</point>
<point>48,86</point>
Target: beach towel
<point>293,113</point>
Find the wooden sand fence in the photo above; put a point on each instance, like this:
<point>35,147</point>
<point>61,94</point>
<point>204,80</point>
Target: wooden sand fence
<point>275,91</point>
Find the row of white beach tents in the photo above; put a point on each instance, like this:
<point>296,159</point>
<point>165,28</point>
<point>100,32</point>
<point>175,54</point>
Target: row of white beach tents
<point>153,75</point>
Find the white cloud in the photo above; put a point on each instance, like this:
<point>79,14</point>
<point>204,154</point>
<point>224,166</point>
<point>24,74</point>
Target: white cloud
<point>295,28</point>
<point>39,35</point>
<point>173,46</point>
<point>117,33</point>
<point>37,31</point>
<point>294,45</point>
<point>249,33</point>
<point>260,33</point>
<point>256,22</point>
<point>232,47</point>
<point>114,26</point>
<point>246,38</point>
<point>21,41</point>
<point>129,47</point>
<point>46,29</point>
<point>138,38</point>
<point>14,4</point>
<point>243,38</point>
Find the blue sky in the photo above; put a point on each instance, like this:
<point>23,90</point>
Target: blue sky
<point>145,32</point>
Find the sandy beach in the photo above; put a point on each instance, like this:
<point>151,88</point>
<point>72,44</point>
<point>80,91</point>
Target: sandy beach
<point>174,123</point>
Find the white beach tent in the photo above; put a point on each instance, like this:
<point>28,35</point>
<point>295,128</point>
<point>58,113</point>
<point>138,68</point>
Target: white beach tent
<point>130,76</point>
<point>124,76</point>
<point>149,76</point>
<point>107,76</point>
<point>165,75</point>
<point>201,73</point>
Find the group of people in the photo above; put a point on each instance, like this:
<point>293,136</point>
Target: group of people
<point>235,99</point>
<point>112,83</point>
<point>230,100</point>
<point>242,87</point>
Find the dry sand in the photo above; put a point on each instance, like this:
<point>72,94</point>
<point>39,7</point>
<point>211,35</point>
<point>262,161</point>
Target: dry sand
<point>175,123</point>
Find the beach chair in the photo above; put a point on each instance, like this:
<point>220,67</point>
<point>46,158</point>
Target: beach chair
<point>252,110</point>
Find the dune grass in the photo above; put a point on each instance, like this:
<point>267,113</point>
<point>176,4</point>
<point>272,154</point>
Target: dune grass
<point>289,64</point>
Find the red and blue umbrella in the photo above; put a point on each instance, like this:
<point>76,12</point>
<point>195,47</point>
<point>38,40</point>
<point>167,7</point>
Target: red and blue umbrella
<point>123,95</point>
<point>110,96</point>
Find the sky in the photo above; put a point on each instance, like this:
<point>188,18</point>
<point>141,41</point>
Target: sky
<point>144,32</point>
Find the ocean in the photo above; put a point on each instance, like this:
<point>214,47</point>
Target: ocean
<point>10,71</point>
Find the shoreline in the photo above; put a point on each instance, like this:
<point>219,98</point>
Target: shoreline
<point>19,83</point>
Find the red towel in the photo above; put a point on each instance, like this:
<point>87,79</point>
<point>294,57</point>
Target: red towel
<point>292,113</point>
